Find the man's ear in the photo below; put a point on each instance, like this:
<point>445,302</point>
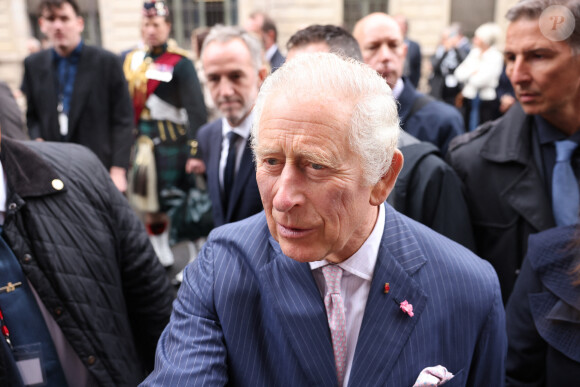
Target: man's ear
<point>262,74</point>
<point>81,23</point>
<point>385,185</point>
<point>41,24</point>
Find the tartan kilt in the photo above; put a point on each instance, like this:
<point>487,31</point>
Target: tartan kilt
<point>171,153</point>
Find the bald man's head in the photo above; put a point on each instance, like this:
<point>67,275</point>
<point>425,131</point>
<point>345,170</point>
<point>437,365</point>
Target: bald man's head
<point>382,46</point>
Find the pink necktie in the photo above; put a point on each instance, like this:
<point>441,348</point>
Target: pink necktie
<point>336,317</point>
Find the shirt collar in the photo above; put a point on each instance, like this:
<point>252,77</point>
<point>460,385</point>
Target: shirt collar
<point>398,89</point>
<point>362,263</point>
<point>243,130</point>
<point>270,52</point>
<point>75,54</point>
<point>548,133</point>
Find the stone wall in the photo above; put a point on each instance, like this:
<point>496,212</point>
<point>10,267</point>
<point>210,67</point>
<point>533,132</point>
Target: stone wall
<point>14,32</point>
<point>120,20</point>
<point>292,15</point>
<point>120,24</point>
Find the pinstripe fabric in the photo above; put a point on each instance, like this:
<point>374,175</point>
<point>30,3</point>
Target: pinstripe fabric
<point>247,315</point>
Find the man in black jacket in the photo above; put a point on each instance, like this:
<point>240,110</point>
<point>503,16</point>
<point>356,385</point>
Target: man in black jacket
<point>78,93</point>
<point>507,165</point>
<point>384,49</point>
<point>83,298</point>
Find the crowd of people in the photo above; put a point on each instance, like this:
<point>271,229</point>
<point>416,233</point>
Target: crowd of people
<point>362,232</point>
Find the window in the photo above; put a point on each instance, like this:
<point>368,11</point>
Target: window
<point>356,9</point>
<point>472,15</point>
<point>188,14</point>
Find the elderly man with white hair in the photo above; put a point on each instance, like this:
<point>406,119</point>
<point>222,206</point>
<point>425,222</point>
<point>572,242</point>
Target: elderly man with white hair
<point>330,285</point>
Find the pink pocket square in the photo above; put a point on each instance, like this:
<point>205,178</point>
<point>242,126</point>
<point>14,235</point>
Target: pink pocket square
<point>433,376</point>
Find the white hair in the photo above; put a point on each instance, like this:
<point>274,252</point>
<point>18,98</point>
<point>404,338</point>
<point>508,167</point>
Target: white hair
<point>374,126</point>
<point>488,33</point>
<point>224,34</point>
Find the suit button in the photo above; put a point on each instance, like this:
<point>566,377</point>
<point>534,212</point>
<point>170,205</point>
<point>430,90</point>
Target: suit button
<point>91,360</point>
<point>58,311</point>
<point>27,258</point>
<point>12,206</point>
<point>517,271</point>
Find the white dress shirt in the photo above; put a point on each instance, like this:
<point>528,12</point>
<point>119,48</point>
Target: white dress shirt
<point>398,89</point>
<point>243,130</point>
<point>270,52</point>
<point>355,285</point>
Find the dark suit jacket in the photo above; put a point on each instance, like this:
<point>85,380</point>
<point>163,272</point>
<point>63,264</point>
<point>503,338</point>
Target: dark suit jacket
<point>436,122</point>
<point>505,190</point>
<point>244,200</point>
<point>429,191</point>
<point>247,315</point>
<point>277,60</point>
<point>412,68</point>
<point>543,314</point>
<point>100,116</point>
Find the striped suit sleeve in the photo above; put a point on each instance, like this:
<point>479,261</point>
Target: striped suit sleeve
<point>191,350</point>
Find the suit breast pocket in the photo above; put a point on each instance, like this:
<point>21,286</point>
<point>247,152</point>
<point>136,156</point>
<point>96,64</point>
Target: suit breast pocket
<point>457,380</point>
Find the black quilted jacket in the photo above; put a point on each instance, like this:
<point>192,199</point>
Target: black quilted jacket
<point>88,257</point>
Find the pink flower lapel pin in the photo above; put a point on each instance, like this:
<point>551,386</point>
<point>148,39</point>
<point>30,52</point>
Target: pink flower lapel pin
<point>407,308</point>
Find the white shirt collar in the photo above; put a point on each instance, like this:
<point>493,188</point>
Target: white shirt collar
<point>270,52</point>
<point>362,263</point>
<point>398,89</point>
<point>243,130</point>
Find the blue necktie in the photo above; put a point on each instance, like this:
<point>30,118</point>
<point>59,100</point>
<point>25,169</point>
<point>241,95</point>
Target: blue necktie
<point>565,195</point>
<point>230,167</point>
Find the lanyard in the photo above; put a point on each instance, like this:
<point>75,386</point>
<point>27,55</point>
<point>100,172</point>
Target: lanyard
<point>5,331</point>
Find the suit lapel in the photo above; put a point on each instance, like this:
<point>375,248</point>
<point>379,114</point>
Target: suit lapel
<point>81,89</point>
<point>215,144</point>
<point>243,175</point>
<point>526,198</point>
<point>511,143</point>
<point>386,328</point>
<point>298,304</point>
<point>48,97</point>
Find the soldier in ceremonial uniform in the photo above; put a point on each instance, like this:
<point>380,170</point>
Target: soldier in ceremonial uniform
<point>169,108</point>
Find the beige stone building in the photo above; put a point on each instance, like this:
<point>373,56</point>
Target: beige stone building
<point>114,24</point>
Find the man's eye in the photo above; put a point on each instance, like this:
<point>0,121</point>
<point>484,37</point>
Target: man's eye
<point>271,161</point>
<point>509,58</point>
<point>317,166</point>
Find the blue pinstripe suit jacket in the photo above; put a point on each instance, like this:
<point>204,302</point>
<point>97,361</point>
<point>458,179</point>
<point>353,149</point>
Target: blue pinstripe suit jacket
<point>247,315</point>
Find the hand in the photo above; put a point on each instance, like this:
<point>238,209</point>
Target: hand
<point>119,177</point>
<point>194,166</point>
